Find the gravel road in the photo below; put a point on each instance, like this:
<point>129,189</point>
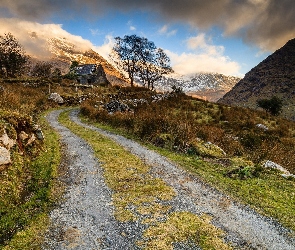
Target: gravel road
<point>84,219</point>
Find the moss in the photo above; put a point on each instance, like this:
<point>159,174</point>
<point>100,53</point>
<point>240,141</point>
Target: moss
<point>28,189</point>
<point>183,227</point>
<point>207,149</point>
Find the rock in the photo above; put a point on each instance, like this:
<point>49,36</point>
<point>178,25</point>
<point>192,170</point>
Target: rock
<point>273,165</point>
<point>261,126</point>
<point>4,156</point>
<point>31,140</point>
<point>38,132</point>
<point>23,135</point>
<point>6,141</point>
<point>116,106</point>
<point>207,149</point>
<point>56,98</point>
<point>287,176</point>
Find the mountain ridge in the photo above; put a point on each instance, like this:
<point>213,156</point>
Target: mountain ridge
<point>274,76</point>
<point>204,85</point>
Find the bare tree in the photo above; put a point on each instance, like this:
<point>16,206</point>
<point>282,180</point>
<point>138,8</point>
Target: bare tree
<point>138,56</point>
<point>155,63</point>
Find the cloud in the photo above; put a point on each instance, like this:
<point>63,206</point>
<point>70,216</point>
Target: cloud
<point>200,43</point>
<point>95,32</point>
<point>105,49</point>
<point>165,31</point>
<point>190,63</point>
<point>204,57</point>
<point>267,23</point>
<point>131,26</point>
<point>34,36</point>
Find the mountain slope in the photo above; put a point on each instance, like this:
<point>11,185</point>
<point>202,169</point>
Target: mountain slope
<point>275,76</point>
<point>208,86</point>
<point>64,53</point>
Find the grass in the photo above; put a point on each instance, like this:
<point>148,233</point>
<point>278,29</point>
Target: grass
<point>268,193</point>
<point>28,188</point>
<point>139,196</point>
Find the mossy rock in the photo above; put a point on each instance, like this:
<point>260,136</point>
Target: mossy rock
<point>207,149</point>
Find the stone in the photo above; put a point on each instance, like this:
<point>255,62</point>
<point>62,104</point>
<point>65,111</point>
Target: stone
<point>56,98</point>
<point>4,156</point>
<point>38,132</point>
<point>6,141</point>
<point>116,106</point>
<point>23,135</point>
<point>31,139</point>
<point>207,149</point>
<point>262,127</point>
<point>273,165</point>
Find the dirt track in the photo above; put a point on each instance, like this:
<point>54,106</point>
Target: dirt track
<point>84,219</point>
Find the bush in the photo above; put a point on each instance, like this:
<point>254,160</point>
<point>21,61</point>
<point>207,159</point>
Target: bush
<point>273,105</point>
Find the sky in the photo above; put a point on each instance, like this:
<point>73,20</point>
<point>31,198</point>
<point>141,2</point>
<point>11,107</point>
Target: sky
<point>223,36</point>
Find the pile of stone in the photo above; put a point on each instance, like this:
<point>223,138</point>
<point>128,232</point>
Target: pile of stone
<point>136,102</point>
<point>23,139</point>
<point>116,106</point>
<point>159,97</point>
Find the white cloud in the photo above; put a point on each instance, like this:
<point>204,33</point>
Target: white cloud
<point>191,63</point>
<point>105,49</point>
<point>203,57</point>
<point>34,36</point>
<point>200,43</point>
<point>132,28</point>
<point>165,31</point>
<point>95,32</point>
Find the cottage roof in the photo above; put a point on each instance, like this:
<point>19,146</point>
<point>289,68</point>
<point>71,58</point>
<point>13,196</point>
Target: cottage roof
<point>86,69</point>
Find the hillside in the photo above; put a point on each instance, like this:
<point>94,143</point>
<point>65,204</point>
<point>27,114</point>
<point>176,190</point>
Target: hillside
<point>275,76</point>
<point>64,52</point>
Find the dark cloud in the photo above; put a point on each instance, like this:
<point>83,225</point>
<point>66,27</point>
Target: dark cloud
<point>267,23</point>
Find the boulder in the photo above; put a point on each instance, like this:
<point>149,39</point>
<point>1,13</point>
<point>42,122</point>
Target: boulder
<point>4,156</point>
<point>56,98</point>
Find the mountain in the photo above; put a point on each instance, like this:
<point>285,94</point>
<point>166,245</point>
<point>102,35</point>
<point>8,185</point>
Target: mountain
<point>275,76</point>
<point>208,86</point>
<point>63,53</point>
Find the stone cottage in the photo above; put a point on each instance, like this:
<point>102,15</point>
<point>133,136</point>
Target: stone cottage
<point>91,74</point>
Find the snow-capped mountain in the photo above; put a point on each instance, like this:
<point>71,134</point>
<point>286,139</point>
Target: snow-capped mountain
<point>208,86</point>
